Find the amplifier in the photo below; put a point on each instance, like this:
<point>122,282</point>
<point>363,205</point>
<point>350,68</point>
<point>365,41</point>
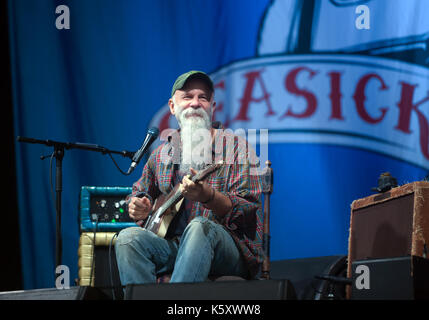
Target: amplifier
<point>104,209</point>
<point>97,266</point>
<point>391,224</point>
<point>403,278</point>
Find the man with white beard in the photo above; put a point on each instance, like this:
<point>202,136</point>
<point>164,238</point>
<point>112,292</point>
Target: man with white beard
<point>219,230</point>
<point>194,121</point>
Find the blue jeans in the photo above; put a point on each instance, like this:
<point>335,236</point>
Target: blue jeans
<point>205,248</point>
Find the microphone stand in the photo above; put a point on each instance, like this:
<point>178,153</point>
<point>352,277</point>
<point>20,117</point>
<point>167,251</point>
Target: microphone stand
<point>59,148</point>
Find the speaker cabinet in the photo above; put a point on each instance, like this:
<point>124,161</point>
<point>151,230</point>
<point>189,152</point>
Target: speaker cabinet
<point>97,266</point>
<point>391,224</point>
<point>403,278</point>
<point>72,293</point>
<point>98,249</point>
<point>213,290</point>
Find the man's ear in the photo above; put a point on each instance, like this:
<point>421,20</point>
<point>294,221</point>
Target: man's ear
<point>171,105</point>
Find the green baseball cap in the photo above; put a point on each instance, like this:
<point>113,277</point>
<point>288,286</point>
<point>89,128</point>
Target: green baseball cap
<point>193,74</point>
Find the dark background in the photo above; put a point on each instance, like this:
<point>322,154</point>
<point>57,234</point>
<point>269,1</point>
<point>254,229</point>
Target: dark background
<point>10,266</point>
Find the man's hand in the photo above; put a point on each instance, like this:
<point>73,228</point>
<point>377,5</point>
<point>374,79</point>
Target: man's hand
<point>139,208</point>
<point>195,191</point>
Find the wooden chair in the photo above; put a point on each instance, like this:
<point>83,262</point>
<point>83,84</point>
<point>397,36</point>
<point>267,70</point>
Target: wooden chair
<point>267,189</point>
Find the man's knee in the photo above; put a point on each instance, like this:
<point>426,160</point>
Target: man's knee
<point>128,235</point>
<point>200,224</point>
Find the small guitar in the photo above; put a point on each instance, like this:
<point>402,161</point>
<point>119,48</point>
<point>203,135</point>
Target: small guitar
<point>167,206</point>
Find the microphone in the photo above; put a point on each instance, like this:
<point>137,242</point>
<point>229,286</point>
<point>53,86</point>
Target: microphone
<point>151,136</point>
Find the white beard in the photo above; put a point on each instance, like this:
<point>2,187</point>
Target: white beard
<point>196,139</point>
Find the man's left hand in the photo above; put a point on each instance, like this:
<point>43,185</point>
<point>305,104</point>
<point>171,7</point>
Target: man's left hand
<point>195,191</point>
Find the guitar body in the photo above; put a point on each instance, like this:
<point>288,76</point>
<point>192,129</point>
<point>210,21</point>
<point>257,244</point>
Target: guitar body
<point>159,219</point>
<point>166,207</point>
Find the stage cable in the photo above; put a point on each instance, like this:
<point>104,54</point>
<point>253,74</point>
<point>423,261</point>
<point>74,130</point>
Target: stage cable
<point>110,265</point>
<point>93,252</point>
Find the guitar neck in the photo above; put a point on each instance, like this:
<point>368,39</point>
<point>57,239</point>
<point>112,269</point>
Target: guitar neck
<point>170,202</point>
<point>155,222</point>
<point>178,194</point>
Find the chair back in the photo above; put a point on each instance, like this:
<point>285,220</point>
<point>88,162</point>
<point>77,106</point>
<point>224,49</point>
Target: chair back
<point>267,189</point>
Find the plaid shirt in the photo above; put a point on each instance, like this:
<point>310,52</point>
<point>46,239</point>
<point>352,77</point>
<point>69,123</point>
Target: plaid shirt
<point>234,179</point>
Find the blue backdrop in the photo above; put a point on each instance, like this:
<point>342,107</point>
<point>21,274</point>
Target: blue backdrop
<point>103,80</point>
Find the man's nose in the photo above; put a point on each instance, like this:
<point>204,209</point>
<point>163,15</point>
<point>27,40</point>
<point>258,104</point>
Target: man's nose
<point>195,103</point>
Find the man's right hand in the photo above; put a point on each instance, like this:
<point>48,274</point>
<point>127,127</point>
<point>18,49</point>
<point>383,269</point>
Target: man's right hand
<point>139,208</point>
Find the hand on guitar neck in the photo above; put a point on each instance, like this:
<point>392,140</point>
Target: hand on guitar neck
<point>195,191</point>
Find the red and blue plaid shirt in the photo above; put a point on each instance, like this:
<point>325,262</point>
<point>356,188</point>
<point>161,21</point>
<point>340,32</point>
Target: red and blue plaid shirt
<point>234,179</point>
